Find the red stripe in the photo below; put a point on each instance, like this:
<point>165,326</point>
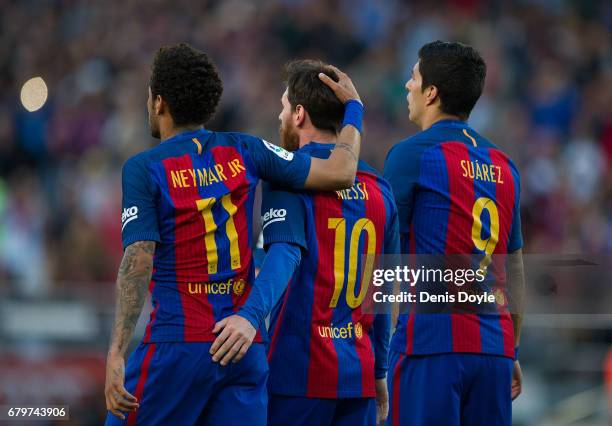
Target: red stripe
<point>396,391</point>
<point>144,372</point>
<point>465,326</point>
<point>410,332</point>
<point>411,239</point>
<point>505,199</point>
<point>190,252</point>
<point>279,321</point>
<point>147,336</point>
<point>376,211</point>
<point>323,362</point>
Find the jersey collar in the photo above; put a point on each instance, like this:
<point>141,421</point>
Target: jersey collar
<point>186,135</point>
<point>458,124</point>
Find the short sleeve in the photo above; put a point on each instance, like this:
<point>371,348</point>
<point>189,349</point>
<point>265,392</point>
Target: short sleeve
<point>402,168</point>
<point>139,217</point>
<point>277,165</point>
<point>283,217</point>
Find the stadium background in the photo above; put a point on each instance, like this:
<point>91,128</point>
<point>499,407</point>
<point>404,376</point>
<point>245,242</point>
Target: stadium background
<point>548,102</point>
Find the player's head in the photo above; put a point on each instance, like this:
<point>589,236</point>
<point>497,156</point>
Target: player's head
<point>308,102</point>
<point>448,78</point>
<point>184,89</point>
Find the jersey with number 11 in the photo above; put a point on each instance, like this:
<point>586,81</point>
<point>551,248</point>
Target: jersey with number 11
<point>193,194</point>
<point>456,193</point>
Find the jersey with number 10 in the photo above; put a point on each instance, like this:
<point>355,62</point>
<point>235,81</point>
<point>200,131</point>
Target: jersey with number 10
<point>456,193</point>
<point>193,194</point>
<point>322,344</point>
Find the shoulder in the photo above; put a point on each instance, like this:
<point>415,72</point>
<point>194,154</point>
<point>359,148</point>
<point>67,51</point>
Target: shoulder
<point>406,149</point>
<point>364,167</point>
<point>383,184</point>
<point>139,161</point>
<point>483,142</point>
<point>253,144</point>
<point>235,138</point>
<point>153,155</point>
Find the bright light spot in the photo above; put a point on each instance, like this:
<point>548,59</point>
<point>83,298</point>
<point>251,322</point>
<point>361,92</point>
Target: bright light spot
<point>34,94</point>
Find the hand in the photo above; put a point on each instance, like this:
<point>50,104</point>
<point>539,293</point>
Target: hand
<point>382,401</point>
<point>344,88</point>
<point>517,380</point>
<point>117,397</point>
<point>235,339</point>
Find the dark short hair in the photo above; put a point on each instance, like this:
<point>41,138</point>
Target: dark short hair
<point>305,88</point>
<point>458,72</point>
<point>188,80</point>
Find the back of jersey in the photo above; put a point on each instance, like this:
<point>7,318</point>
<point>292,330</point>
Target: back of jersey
<point>322,343</point>
<point>193,194</point>
<point>457,194</point>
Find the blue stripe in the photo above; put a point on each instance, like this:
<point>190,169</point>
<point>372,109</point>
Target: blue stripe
<point>170,315</point>
<point>432,203</point>
<point>432,332</point>
<point>491,337</point>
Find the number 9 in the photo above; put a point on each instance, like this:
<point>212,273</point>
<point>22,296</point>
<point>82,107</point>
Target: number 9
<point>485,245</point>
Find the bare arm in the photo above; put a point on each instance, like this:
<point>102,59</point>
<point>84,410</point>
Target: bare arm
<point>516,291</point>
<point>339,170</point>
<point>516,294</point>
<point>132,282</point>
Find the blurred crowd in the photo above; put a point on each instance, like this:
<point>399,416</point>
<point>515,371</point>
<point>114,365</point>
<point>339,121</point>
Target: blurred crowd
<point>547,101</point>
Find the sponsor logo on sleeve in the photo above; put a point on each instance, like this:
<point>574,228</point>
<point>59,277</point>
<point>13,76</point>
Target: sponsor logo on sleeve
<point>281,152</point>
<point>128,215</point>
<point>273,215</point>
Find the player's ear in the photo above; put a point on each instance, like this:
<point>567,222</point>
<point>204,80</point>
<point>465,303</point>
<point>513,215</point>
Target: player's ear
<point>431,94</point>
<point>159,105</point>
<point>299,115</point>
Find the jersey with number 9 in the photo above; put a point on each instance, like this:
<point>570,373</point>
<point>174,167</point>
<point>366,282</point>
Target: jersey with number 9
<point>456,193</point>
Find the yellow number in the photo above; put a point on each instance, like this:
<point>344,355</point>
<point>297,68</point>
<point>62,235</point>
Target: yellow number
<point>339,225</point>
<point>205,208</point>
<point>230,230</point>
<point>488,245</point>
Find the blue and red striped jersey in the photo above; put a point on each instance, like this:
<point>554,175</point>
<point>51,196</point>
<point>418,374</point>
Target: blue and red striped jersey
<point>322,344</point>
<point>456,193</point>
<point>193,194</point>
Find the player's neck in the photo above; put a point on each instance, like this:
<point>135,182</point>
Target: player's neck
<point>431,119</point>
<point>314,135</point>
<point>169,132</point>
